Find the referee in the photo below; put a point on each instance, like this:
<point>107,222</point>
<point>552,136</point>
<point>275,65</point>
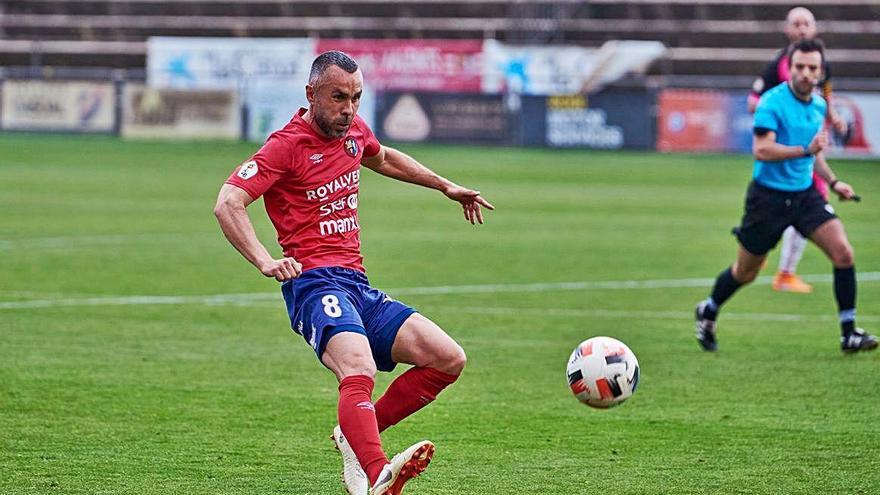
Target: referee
<point>800,24</point>
<point>788,144</point>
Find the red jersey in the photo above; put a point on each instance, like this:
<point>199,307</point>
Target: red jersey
<point>309,185</point>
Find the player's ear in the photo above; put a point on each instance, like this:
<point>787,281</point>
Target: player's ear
<point>310,93</point>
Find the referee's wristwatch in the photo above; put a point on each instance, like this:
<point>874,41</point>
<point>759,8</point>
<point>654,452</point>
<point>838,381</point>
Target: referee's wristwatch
<point>806,150</point>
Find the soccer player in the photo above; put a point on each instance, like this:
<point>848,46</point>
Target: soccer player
<point>788,144</point>
<point>799,25</point>
<point>308,174</point>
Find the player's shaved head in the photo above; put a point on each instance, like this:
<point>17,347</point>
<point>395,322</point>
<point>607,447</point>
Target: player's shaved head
<point>798,12</point>
<point>327,59</point>
<point>334,93</point>
<point>800,24</point>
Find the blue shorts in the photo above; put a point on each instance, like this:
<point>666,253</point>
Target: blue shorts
<point>325,301</point>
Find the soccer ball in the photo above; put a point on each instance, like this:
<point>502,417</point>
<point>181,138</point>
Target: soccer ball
<point>602,372</point>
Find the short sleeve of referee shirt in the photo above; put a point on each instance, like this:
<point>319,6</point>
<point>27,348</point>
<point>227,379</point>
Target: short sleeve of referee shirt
<point>766,116</point>
<point>264,168</point>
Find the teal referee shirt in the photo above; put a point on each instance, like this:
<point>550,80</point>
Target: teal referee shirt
<point>795,123</point>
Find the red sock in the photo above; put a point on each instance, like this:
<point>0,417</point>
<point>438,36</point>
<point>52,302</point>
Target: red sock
<point>357,418</point>
<point>410,392</point>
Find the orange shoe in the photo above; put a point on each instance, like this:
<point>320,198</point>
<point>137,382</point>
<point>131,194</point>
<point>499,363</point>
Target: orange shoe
<point>403,467</point>
<point>790,282</point>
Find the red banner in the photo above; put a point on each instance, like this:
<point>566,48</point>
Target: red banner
<point>415,65</point>
<point>691,120</point>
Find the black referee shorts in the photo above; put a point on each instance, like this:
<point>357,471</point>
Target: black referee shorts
<point>768,212</point>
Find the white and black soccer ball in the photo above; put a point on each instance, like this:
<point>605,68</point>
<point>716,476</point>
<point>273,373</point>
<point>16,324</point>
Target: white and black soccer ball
<point>602,372</point>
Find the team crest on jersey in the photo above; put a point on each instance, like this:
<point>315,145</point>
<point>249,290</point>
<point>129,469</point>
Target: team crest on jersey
<point>351,147</point>
<point>248,170</point>
<point>758,85</point>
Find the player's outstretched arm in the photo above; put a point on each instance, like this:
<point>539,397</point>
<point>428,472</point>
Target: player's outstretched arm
<point>398,165</point>
<point>231,213</point>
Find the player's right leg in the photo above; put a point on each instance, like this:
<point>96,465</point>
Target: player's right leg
<point>353,476</point>
<point>786,278</point>
<point>348,355</point>
<point>325,314</point>
<point>766,217</point>
<point>743,272</point>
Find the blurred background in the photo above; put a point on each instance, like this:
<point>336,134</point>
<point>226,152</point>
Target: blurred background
<point>601,74</point>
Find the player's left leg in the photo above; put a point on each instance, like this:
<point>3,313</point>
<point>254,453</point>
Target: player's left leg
<point>831,238</point>
<point>786,278</point>
<point>437,362</point>
<point>402,468</point>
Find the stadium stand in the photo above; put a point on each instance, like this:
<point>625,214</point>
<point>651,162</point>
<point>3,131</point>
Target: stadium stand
<point>705,37</point>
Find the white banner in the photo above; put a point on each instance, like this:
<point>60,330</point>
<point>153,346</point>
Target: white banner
<point>555,70</point>
<point>58,106</point>
<point>226,63</point>
<point>271,103</point>
<point>535,70</point>
<point>180,114</point>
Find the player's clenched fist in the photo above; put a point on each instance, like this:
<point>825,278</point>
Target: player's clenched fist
<point>283,269</point>
<point>819,142</point>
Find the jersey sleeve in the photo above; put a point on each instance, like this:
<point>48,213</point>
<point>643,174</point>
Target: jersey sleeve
<point>264,168</point>
<point>766,117</point>
<point>371,144</point>
<point>769,79</point>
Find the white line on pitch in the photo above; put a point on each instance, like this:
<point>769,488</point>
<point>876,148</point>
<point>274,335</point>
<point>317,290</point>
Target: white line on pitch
<point>628,314</point>
<point>66,242</point>
<point>602,313</point>
<point>598,285</point>
<point>243,299</point>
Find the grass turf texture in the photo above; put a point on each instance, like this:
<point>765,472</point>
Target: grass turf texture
<point>223,398</point>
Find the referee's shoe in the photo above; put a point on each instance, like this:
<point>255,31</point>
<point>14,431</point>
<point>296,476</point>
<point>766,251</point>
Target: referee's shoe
<point>705,329</point>
<point>858,340</point>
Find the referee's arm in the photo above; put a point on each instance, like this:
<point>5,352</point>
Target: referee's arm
<point>766,149</point>
<point>843,190</point>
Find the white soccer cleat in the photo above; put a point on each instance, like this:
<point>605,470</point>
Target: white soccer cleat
<point>353,476</point>
<point>403,467</point>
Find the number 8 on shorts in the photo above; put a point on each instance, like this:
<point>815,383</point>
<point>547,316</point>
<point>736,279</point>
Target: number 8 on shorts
<point>331,306</point>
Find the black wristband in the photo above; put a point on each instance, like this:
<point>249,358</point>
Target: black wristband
<point>806,151</point>
<point>832,183</point>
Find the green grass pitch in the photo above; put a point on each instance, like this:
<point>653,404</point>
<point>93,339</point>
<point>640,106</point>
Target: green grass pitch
<point>118,375</point>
